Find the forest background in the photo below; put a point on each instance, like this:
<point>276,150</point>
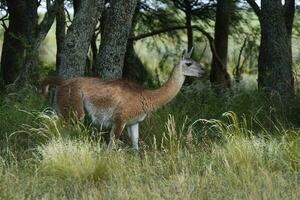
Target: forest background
<point>231,134</point>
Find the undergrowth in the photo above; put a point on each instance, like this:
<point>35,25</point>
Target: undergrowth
<point>200,146</point>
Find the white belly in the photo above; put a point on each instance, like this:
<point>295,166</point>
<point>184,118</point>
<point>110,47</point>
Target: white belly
<point>136,119</point>
<point>100,116</point>
<point>103,116</point>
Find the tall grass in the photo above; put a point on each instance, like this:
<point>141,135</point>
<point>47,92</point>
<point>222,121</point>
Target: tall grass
<point>199,152</point>
<point>243,166</point>
<point>73,159</point>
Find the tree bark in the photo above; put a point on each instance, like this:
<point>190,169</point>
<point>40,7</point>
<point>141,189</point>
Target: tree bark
<point>78,38</point>
<point>18,37</point>
<point>219,76</point>
<point>275,73</point>
<point>60,33</point>
<point>116,29</point>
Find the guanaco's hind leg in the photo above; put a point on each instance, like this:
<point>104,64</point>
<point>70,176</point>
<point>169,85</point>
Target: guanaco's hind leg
<point>133,131</point>
<point>115,133</point>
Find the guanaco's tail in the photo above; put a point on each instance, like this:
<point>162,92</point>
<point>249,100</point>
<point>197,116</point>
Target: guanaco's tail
<point>53,80</point>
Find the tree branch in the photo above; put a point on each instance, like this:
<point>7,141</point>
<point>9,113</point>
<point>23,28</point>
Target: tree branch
<point>157,32</point>
<point>210,39</point>
<point>47,21</point>
<point>255,7</point>
<point>238,67</point>
<point>3,19</point>
<point>203,51</point>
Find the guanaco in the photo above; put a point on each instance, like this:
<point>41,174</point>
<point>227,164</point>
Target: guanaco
<point>117,104</point>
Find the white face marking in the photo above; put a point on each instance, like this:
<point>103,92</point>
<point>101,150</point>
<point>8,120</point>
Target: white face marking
<point>101,116</point>
<point>191,68</point>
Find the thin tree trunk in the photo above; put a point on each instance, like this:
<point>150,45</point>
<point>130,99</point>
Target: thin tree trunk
<point>94,54</point>
<point>60,34</point>
<point>116,29</point>
<point>188,18</point>
<point>218,75</point>
<point>78,38</point>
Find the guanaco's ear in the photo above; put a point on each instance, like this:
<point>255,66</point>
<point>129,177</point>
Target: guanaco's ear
<point>189,54</point>
<point>183,54</point>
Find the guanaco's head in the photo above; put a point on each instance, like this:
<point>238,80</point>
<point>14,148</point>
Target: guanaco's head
<point>189,66</point>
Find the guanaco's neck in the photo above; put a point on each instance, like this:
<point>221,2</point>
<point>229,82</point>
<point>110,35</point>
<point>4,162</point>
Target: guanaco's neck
<point>164,94</point>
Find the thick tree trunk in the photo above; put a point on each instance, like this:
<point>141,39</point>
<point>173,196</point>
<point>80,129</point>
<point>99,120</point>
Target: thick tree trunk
<point>218,74</point>
<point>78,38</point>
<point>76,5</point>
<point>275,73</point>
<point>133,66</point>
<point>116,29</point>
<point>60,33</point>
<point>18,37</point>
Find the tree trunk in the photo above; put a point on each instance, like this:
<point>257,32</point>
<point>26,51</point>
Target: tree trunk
<point>218,75</point>
<point>275,72</point>
<point>116,29</point>
<point>133,67</point>
<point>76,5</point>
<point>60,33</point>
<point>78,38</point>
<point>18,37</point>
<point>29,71</point>
<point>188,18</point>
<point>94,50</point>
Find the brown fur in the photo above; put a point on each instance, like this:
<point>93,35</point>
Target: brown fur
<point>50,81</point>
<point>131,100</point>
<point>126,102</point>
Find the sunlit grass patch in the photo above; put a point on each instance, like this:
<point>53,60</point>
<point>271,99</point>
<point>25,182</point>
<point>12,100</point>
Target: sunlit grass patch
<point>73,159</point>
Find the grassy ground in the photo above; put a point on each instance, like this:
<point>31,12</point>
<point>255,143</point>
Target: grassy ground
<point>200,146</point>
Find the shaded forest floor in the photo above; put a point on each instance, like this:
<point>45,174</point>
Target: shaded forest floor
<point>200,146</point>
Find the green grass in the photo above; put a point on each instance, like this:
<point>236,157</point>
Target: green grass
<point>193,148</point>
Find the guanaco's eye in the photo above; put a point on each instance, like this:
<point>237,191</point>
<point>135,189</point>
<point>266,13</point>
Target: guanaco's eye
<point>188,63</point>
